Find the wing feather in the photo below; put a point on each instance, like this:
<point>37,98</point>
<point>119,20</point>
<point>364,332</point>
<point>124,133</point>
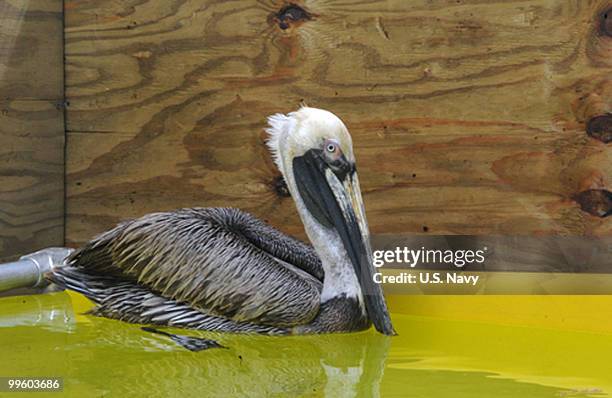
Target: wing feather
<point>218,260</point>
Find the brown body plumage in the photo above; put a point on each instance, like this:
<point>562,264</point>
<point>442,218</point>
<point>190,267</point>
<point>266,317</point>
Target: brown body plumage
<point>215,269</point>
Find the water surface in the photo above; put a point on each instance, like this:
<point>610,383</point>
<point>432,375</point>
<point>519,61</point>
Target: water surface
<point>48,335</point>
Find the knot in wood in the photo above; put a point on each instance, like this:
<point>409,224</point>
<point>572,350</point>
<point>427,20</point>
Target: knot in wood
<point>280,187</point>
<point>605,24</point>
<point>597,202</point>
<point>290,14</point>
<point>600,127</point>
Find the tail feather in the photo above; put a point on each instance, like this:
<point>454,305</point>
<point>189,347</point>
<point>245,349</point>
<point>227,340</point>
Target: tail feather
<point>74,279</point>
<point>128,301</point>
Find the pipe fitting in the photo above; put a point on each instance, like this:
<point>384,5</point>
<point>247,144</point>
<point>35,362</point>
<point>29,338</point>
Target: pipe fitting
<point>29,271</point>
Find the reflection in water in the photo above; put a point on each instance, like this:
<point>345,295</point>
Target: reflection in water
<point>331,365</point>
<point>51,311</point>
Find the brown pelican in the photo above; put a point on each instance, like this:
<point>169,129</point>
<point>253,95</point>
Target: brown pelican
<point>220,269</point>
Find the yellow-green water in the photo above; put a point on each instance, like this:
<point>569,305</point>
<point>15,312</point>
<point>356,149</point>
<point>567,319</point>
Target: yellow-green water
<point>47,335</point>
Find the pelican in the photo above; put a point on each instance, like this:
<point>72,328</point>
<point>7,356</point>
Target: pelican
<point>223,270</point>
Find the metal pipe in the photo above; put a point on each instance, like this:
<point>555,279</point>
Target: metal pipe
<point>22,273</point>
<point>29,271</point>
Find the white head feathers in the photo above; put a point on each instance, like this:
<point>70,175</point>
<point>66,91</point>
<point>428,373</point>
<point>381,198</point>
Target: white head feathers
<point>293,134</point>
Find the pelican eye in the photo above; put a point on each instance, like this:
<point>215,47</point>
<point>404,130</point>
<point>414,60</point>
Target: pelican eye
<point>332,148</point>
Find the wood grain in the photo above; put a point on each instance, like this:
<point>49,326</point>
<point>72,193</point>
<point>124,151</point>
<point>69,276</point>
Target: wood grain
<point>31,55</point>
<point>468,117</point>
<point>31,127</point>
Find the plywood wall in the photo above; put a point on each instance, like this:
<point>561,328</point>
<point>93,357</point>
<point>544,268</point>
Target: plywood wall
<point>468,117</point>
<point>31,126</point>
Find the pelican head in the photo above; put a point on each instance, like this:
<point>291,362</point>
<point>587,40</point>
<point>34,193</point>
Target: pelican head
<point>313,150</point>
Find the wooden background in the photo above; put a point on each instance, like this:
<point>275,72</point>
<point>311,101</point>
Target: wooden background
<point>468,117</point>
<point>31,126</point>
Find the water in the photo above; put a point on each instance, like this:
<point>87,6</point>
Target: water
<point>48,335</point>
